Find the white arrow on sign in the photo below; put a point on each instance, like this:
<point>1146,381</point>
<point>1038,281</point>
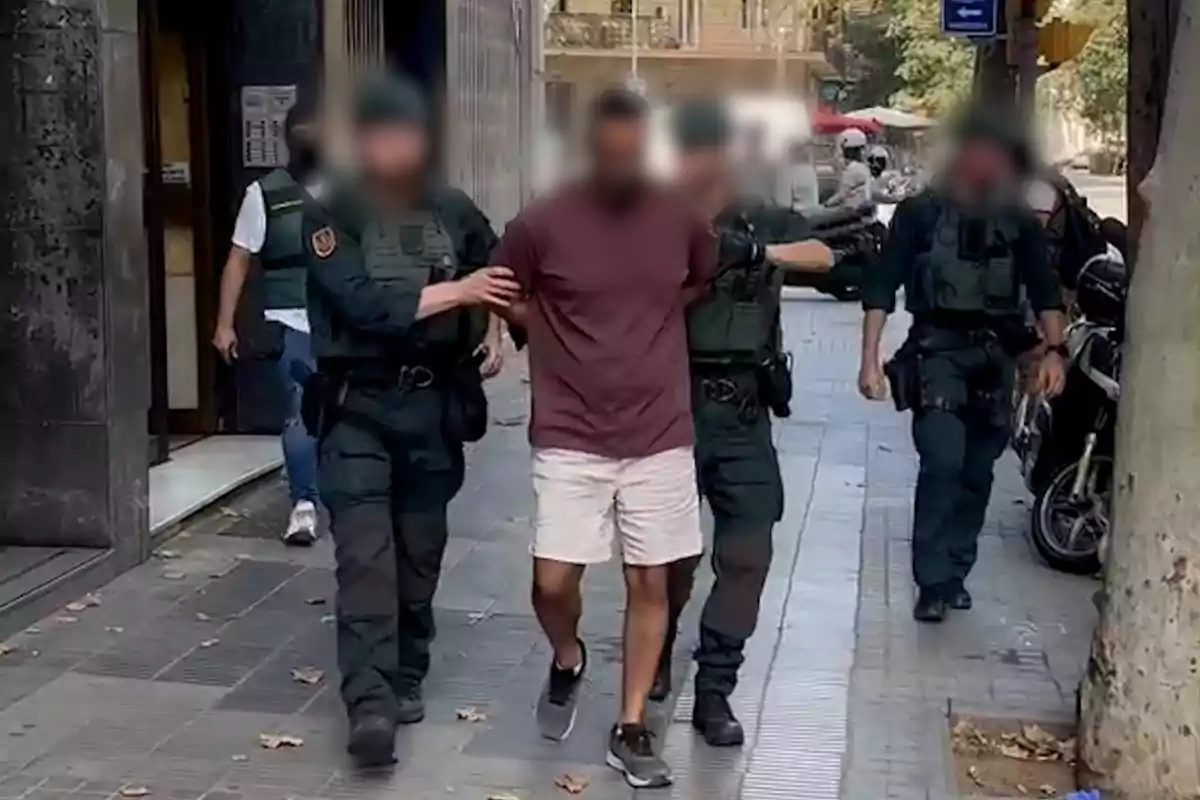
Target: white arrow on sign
<point>966,13</point>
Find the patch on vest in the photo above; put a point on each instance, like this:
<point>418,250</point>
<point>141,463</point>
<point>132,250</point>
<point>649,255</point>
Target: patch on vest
<point>324,242</point>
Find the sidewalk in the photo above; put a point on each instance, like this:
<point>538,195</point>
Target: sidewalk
<point>168,682</point>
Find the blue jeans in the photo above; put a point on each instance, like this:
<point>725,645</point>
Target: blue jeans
<point>299,449</point>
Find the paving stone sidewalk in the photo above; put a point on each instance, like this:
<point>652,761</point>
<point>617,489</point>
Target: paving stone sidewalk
<point>168,682</point>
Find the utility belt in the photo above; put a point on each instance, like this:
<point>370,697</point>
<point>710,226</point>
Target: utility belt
<point>464,415</point>
<point>952,332</point>
<point>748,387</point>
<point>911,386</point>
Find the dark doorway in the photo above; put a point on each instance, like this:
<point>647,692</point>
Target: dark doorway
<point>181,65</point>
<point>415,42</point>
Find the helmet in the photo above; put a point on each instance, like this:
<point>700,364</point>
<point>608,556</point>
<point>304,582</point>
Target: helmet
<point>879,153</point>
<point>852,139</point>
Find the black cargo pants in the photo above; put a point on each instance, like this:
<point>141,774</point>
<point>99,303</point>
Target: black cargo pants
<point>387,474</point>
<point>960,427</point>
<point>738,473</point>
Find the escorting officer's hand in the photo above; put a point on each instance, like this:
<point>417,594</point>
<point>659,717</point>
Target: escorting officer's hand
<point>226,342</point>
<point>871,383</point>
<point>1052,375</point>
<point>492,351</point>
<point>491,286</point>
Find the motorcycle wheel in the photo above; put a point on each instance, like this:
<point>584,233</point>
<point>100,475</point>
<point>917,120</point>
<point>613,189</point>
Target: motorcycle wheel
<point>1069,534</point>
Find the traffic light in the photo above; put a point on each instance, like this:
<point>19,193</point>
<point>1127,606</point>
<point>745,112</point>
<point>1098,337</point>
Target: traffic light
<point>1059,41</point>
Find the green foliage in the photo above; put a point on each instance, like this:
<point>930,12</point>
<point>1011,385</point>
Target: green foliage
<point>1101,72</point>
<point>935,71</point>
<point>872,58</point>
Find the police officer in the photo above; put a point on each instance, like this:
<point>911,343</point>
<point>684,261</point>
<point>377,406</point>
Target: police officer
<point>392,277</point>
<point>963,250</point>
<point>268,226</point>
<point>854,186</point>
<point>740,375</point>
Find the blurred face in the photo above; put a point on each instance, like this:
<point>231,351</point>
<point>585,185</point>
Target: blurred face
<point>393,151</point>
<point>618,151</point>
<point>981,164</point>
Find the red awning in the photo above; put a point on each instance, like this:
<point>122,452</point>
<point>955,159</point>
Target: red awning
<point>829,122</point>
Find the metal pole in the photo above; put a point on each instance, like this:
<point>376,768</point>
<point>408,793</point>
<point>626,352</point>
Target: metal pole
<point>1027,67</point>
<point>633,27</point>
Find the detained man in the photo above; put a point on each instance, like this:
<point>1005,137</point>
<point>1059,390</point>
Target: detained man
<point>268,229</point>
<point>603,264</point>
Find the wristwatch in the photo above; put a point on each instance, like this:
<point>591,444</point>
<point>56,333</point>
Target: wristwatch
<point>1059,349</point>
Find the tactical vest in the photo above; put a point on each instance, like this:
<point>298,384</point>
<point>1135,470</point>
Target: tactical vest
<point>736,322</point>
<point>948,278</point>
<point>406,254</point>
<point>283,257</point>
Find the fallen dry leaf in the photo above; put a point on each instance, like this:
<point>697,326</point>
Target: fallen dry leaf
<point>973,774</point>
<point>1013,751</point>
<point>503,796</point>
<point>239,758</point>
<point>65,620</point>
<point>135,791</point>
<point>89,601</point>
<point>115,629</point>
<point>470,714</point>
<point>7,649</point>
<point>310,675</point>
<point>202,617</point>
<point>173,575</point>
<point>166,554</point>
<point>1021,788</point>
<point>33,631</point>
<point>1048,790</point>
<point>209,643</point>
<point>571,784</point>
<point>315,601</point>
<point>328,619</point>
<point>274,741</point>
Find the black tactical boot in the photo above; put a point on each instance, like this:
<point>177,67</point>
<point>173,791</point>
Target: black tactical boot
<point>958,598</point>
<point>372,740</point>
<point>410,706</point>
<point>715,721</point>
<point>661,689</point>
<point>930,607</point>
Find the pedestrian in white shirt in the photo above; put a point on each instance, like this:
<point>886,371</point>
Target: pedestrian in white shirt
<point>269,228</point>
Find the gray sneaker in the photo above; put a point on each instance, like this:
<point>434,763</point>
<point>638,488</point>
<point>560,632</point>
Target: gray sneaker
<point>631,752</point>
<point>559,701</point>
<point>410,706</point>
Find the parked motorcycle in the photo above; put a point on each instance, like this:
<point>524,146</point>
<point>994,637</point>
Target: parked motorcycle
<point>1065,445</point>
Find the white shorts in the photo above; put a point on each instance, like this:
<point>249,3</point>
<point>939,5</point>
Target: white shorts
<point>585,502</point>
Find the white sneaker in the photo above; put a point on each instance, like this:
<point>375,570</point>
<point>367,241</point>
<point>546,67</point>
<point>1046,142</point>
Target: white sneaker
<point>302,525</point>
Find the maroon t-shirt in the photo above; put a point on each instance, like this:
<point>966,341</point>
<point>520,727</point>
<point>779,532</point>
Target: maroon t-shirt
<point>608,361</point>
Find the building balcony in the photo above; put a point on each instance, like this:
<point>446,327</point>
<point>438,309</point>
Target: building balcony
<point>573,32</point>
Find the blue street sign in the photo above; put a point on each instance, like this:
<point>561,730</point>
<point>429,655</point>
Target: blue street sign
<point>974,18</point>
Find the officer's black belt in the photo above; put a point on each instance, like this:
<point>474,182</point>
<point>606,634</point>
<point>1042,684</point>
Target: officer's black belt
<point>727,391</point>
<point>405,377</point>
<point>936,337</point>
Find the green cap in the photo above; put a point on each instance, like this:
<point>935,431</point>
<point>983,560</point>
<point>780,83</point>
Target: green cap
<point>389,98</point>
<point>701,124</point>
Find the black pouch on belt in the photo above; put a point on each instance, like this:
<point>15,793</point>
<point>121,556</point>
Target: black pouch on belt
<point>466,410</point>
<point>775,384</point>
<point>314,403</point>
<point>903,374</point>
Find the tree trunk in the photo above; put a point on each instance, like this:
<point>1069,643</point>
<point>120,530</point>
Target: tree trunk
<point>1140,699</point>
<point>1152,26</point>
